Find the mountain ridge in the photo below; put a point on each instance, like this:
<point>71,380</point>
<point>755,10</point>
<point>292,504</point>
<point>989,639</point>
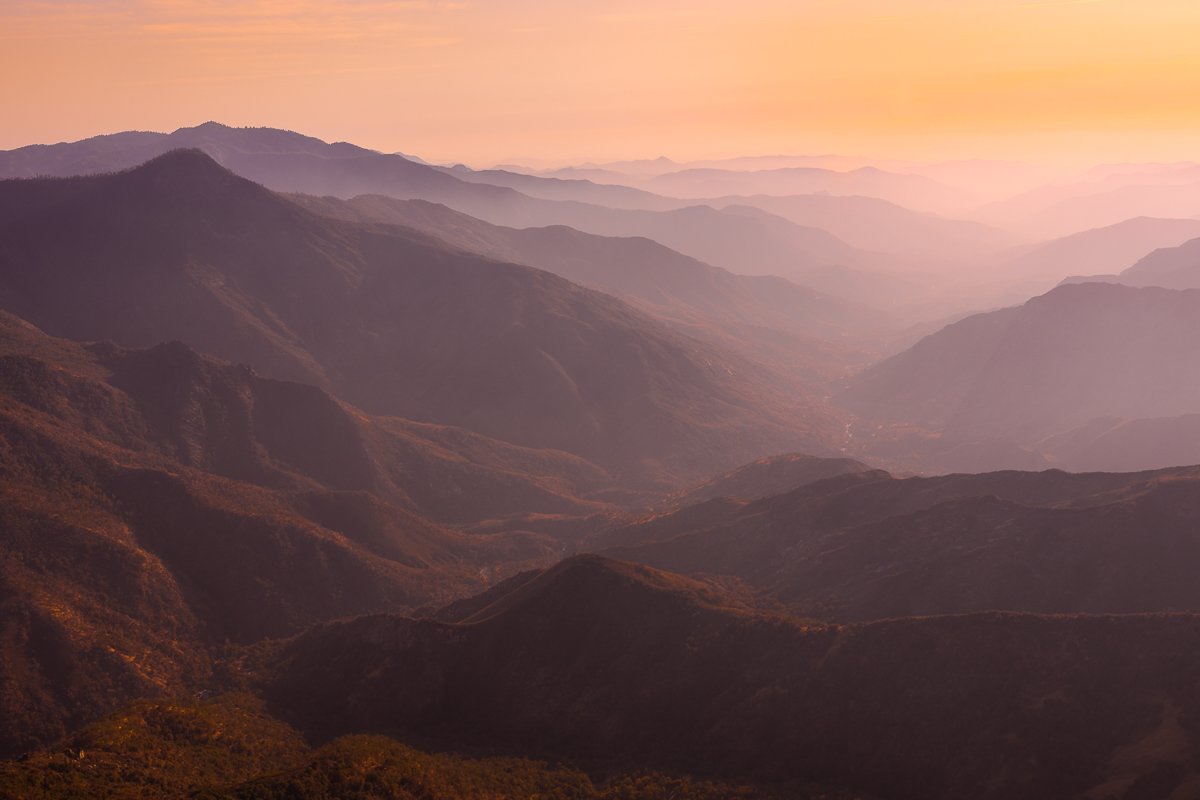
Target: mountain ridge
<point>365,311</point>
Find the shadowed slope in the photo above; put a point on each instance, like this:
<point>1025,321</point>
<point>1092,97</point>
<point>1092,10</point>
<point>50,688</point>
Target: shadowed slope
<point>868,546</point>
<point>600,660</point>
<point>172,402</point>
<point>793,328</point>
<point>157,504</point>
<point>391,320</point>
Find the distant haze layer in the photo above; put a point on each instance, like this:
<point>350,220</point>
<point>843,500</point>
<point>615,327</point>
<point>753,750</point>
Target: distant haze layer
<point>484,82</point>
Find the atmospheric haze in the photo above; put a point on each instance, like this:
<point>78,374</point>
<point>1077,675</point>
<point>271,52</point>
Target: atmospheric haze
<point>603,400</point>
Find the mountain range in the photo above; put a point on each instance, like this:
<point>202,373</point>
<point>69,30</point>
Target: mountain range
<point>391,320</point>
<point>864,545</point>
<point>1102,197</point>
<point>290,162</point>
<point>791,327</point>
<point>664,673</point>
<point>328,472</point>
<point>1170,267</point>
<point>1077,354</point>
<point>159,504</point>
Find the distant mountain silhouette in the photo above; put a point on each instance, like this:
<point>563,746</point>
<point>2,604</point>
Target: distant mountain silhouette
<point>1102,251</point>
<point>393,321</point>
<point>602,660</point>
<point>911,191</point>
<point>280,159</point>
<point>877,225</point>
<point>869,223</point>
<point>1077,353</point>
<point>577,190</point>
<point>1103,197</point>
<point>1169,267</point>
<point>290,162</point>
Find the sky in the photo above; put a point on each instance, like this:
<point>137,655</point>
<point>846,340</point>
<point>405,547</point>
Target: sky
<point>490,81</point>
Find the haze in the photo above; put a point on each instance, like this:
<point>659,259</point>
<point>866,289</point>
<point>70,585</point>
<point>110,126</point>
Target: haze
<point>927,79</point>
<point>483,400</point>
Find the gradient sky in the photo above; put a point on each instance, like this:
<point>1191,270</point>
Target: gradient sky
<point>492,80</point>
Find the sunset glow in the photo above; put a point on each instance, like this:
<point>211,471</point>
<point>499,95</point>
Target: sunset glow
<point>559,81</point>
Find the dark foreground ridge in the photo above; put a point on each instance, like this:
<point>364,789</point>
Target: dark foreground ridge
<point>867,545</point>
<point>595,659</point>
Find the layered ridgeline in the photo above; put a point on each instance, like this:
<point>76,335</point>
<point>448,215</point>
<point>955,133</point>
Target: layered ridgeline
<point>1104,250</point>
<point>838,202</point>
<point>1100,198</point>
<point>865,545</point>
<point>157,505</point>
<point>1170,267</point>
<point>744,240</point>
<point>623,665</point>
<point>1035,269</point>
<point>1056,376</point>
<point>749,180</point>
<point>391,320</point>
<point>794,329</point>
<point>624,669</point>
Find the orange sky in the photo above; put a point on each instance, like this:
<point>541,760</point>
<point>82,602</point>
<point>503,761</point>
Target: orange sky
<point>491,80</point>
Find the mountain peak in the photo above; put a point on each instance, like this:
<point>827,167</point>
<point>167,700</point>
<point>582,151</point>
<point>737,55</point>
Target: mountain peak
<point>182,158</point>
<point>187,174</point>
<point>569,586</point>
